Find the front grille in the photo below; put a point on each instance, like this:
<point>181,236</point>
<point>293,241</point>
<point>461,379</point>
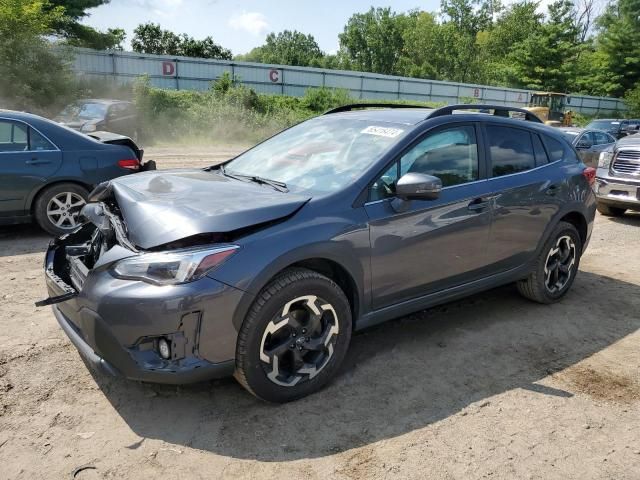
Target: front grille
<point>627,162</point>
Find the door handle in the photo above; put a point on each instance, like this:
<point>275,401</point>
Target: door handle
<point>36,161</point>
<point>552,190</point>
<point>479,204</point>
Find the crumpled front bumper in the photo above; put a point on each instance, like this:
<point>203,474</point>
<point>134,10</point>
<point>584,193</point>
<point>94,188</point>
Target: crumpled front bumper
<point>113,323</point>
<point>198,372</point>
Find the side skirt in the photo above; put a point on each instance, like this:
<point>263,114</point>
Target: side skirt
<point>442,296</point>
<point>15,220</point>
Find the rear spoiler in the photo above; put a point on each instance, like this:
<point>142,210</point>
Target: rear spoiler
<point>116,139</point>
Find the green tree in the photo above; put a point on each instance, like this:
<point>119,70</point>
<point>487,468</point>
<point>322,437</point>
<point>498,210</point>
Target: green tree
<point>69,26</point>
<point>515,24</point>
<point>619,42</point>
<point>286,48</point>
<point>373,41</point>
<point>151,38</point>
<point>547,58</point>
<point>32,74</point>
<point>421,55</point>
<point>632,100</point>
<point>465,25</point>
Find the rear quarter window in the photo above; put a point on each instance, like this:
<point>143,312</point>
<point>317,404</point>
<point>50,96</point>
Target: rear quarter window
<point>558,149</point>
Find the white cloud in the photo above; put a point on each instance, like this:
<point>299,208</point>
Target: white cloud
<point>254,23</point>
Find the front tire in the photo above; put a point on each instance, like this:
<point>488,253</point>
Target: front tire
<point>294,337</point>
<point>556,266</point>
<point>609,211</point>
<point>57,208</point>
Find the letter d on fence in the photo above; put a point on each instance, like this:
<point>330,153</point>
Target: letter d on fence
<point>168,69</point>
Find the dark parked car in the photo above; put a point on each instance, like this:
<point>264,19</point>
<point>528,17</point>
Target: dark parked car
<point>262,267</point>
<point>616,127</point>
<point>99,114</point>
<point>618,178</point>
<point>47,171</point>
<point>589,143</point>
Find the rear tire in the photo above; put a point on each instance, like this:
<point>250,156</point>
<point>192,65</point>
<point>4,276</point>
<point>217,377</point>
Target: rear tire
<point>57,207</point>
<point>610,211</point>
<point>556,266</point>
<point>294,337</point>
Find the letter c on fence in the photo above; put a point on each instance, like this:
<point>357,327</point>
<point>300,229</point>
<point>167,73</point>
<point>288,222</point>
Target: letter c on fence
<point>168,68</point>
<point>274,75</point>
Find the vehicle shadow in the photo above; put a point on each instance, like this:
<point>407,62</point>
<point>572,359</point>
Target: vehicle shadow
<point>629,218</point>
<point>398,377</point>
<point>22,239</point>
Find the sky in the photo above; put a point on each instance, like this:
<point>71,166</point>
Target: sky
<point>241,25</point>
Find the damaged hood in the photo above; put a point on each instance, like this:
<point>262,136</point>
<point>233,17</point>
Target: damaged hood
<point>162,207</point>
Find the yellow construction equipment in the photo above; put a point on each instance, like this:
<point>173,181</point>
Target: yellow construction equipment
<point>551,108</point>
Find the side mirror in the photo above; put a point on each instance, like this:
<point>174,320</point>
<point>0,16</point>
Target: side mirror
<point>418,186</point>
<point>584,144</point>
<point>415,186</point>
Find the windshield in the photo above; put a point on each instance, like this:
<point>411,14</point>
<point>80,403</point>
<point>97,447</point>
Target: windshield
<point>539,100</point>
<point>84,111</point>
<point>320,155</point>
<point>606,125</point>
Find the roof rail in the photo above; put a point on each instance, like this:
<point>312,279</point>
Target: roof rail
<point>498,110</point>
<point>357,106</point>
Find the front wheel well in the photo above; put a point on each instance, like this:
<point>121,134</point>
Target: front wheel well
<point>577,220</point>
<point>339,275</point>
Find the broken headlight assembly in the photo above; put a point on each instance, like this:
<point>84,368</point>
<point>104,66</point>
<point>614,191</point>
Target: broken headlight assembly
<point>172,268</point>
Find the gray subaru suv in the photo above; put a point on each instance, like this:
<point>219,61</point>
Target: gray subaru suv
<point>618,177</point>
<point>263,267</point>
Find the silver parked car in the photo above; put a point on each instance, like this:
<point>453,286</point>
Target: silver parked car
<point>618,177</point>
<point>589,143</point>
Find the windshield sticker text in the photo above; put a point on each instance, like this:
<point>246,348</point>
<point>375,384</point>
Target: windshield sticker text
<point>383,131</point>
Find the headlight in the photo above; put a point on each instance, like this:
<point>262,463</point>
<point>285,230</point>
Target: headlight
<point>88,127</point>
<point>605,159</point>
<point>173,267</point>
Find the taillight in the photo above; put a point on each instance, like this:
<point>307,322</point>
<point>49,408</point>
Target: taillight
<point>590,174</point>
<point>129,164</point>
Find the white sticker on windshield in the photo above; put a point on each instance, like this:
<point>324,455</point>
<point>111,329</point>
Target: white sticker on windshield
<point>383,131</point>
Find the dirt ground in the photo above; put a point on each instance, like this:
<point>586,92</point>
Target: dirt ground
<point>489,387</point>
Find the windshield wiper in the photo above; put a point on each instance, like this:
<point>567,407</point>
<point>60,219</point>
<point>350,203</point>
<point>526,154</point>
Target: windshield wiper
<point>280,186</point>
<point>224,172</point>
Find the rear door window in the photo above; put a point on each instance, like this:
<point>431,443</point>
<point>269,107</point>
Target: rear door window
<point>510,149</point>
<point>38,143</point>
